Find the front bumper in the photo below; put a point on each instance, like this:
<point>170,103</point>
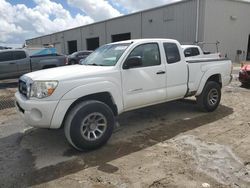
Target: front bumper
<point>35,113</point>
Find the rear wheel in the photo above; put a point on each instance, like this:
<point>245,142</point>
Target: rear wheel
<point>89,125</point>
<point>210,97</point>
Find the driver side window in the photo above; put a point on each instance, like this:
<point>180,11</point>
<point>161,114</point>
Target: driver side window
<point>149,54</point>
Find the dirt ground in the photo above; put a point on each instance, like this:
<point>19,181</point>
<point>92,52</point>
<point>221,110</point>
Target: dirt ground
<point>167,145</point>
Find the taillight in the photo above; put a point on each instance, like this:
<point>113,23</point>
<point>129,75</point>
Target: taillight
<point>243,72</point>
<point>66,62</point>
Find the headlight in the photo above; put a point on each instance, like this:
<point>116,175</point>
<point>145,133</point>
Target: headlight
<point>42,89</point>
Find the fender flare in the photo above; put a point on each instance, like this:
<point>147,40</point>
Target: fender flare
<point>93,88</point>
<point>206,76</point>
<point>78,92</point>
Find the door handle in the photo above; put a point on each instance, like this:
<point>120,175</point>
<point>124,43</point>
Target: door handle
<point>161,72</point>
<point>12,63</point>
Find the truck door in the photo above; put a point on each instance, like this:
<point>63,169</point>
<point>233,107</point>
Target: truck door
<point>8,66</point>
<point>23,61</point>
<point>144,84</point>
<point>177,71</point>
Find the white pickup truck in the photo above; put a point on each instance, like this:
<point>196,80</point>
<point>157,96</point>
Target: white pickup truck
<point>192,52</point>
<point>117,77</point>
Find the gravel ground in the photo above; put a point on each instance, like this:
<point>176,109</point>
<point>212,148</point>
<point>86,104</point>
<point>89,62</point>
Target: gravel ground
<point>167,145</point>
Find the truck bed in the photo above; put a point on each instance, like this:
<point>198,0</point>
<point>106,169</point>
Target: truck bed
<point>197,68</point>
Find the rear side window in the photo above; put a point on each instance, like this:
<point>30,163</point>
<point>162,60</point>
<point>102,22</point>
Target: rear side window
<point>19,55</point>
<point>172,52</point>
<point>80,54</point>
<point>149,53</point>
<point>191,52</point>
<point>6,56</point>
<point>87,53</point>
<point>83,54</point>
<point>195,51</point>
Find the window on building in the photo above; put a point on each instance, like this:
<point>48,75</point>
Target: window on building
<point>248,49</point>
<point>121,37</point>
<point>92,43</point>
<point>172,52</point>
<point>72,46</point>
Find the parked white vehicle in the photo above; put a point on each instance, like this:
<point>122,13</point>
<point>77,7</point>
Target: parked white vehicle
<point>195,52</point>
<point>117,77</point>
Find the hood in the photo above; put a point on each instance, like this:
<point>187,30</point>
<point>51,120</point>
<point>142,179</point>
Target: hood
<point>68,72</point>
<point>246,67</point>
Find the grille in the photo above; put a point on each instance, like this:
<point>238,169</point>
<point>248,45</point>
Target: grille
<point>22,87</point>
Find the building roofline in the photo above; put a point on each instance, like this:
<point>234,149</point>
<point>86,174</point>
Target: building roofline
<point>103,21</point>
<point>241,1</point>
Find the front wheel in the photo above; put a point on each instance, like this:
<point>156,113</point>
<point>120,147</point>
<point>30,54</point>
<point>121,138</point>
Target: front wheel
<point>89,125</point>
<point>210,97</point>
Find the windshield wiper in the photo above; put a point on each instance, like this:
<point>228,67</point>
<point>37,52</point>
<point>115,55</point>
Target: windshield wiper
<point>94,64</point>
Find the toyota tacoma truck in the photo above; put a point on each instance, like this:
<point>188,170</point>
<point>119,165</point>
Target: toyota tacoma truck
<point>118,77</point>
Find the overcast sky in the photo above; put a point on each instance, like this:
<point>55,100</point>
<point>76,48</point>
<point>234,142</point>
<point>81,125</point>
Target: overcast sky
<point>24,19</point>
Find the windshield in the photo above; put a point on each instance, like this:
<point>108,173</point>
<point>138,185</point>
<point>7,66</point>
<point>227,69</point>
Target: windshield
<point>106,55</point>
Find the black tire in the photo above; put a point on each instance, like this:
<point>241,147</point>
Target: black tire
<point>72,62</point>
<point>210,97</point>
<point>245,85</point>
<point>78,124</point>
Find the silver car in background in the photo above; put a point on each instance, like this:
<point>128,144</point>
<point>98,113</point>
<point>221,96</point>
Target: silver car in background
<point>16,62</point>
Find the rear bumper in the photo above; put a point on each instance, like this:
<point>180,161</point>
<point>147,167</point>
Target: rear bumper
<point>244,79</point>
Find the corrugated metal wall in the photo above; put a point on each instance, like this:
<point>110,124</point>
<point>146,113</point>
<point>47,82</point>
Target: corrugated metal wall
<point>227,21</point>
<point>175,21</point>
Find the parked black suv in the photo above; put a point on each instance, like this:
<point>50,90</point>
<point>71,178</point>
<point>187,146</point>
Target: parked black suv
<point>77,56</point>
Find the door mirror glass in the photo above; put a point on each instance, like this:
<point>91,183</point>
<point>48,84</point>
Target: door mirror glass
<point>134,61</point>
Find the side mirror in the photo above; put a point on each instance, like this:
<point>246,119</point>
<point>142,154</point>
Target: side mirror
<point>134,61</point>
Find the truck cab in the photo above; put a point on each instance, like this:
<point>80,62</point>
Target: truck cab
<point>13,63</point>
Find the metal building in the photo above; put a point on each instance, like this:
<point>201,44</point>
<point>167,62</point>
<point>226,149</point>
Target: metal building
<point>221,25</point>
